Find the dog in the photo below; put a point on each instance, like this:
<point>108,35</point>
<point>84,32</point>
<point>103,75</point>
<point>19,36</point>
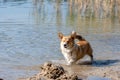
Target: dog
<point>72,50</point>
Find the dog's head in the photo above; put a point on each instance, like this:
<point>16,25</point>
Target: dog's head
<point>67,41</point>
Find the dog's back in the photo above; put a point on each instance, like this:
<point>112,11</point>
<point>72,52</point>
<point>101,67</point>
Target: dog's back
<point>84,46</point>
<point>79,37</point>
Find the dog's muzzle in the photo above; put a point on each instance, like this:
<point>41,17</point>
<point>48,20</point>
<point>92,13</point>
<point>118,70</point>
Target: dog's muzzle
<point>65,45</point>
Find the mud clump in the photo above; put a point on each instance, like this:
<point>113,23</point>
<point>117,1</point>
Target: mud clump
<point>51,71</point>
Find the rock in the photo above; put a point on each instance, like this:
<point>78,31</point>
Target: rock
<point>51,71</point>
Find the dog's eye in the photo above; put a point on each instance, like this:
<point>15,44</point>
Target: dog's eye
<point>68,41</point>
<point>71,39</point>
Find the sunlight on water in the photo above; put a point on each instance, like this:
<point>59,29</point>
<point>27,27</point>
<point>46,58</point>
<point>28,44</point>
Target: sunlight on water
<point>28,34</point>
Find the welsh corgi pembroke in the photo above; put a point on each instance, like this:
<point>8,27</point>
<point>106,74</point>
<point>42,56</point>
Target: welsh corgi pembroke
<point>73,51</point>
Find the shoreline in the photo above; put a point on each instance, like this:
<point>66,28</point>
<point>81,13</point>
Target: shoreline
<point>85,71</point>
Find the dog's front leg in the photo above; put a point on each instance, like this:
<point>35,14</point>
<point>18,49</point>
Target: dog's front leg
<point>71,62</point>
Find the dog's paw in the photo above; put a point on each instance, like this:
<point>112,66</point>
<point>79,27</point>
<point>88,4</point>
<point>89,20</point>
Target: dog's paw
<point>71,63</point>
<point>68,64</point>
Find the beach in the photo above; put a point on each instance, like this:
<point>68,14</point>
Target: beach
<point>83,71</point>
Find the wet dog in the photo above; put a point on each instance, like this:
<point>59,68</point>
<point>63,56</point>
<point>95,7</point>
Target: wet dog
<point>73,51</point>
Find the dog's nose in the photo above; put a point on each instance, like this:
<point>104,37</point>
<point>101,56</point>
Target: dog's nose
<point>65,45</point>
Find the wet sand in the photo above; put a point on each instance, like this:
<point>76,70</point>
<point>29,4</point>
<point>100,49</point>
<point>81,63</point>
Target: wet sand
<point>84,72</point>
<point>100,69</point>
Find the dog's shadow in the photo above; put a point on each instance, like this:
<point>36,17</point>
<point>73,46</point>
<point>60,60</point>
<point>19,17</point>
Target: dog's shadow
<point>100,63</point>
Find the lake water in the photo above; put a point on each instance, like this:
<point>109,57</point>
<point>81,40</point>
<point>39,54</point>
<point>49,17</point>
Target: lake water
<point>28,34</point>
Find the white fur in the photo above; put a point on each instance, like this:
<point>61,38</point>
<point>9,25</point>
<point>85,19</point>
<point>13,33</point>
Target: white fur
<point>69,54</point>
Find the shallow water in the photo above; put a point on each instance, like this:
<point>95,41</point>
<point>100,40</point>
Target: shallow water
<point>28,35</point>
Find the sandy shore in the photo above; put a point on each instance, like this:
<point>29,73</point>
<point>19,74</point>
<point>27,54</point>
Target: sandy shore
<point>85,71</point>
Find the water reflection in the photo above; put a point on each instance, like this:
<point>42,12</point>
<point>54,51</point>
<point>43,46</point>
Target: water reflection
<point>5,1</point>
<point>96,8</point>
<point>47,13</point>
<point>12,2</point>
<point>74,13</point>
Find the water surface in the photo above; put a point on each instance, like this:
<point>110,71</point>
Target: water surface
<point>28,34</point>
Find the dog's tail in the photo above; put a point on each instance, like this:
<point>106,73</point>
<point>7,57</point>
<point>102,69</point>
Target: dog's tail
<point>79,37</point>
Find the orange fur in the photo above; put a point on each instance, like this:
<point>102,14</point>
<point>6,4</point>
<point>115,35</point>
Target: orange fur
<point>74,51</point>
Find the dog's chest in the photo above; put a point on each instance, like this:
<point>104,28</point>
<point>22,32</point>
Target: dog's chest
<point>65,50</point>
<point>68,53</point>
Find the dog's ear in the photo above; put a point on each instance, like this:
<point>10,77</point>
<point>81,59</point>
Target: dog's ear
<point>60,35</point>
<point>73,35</point>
